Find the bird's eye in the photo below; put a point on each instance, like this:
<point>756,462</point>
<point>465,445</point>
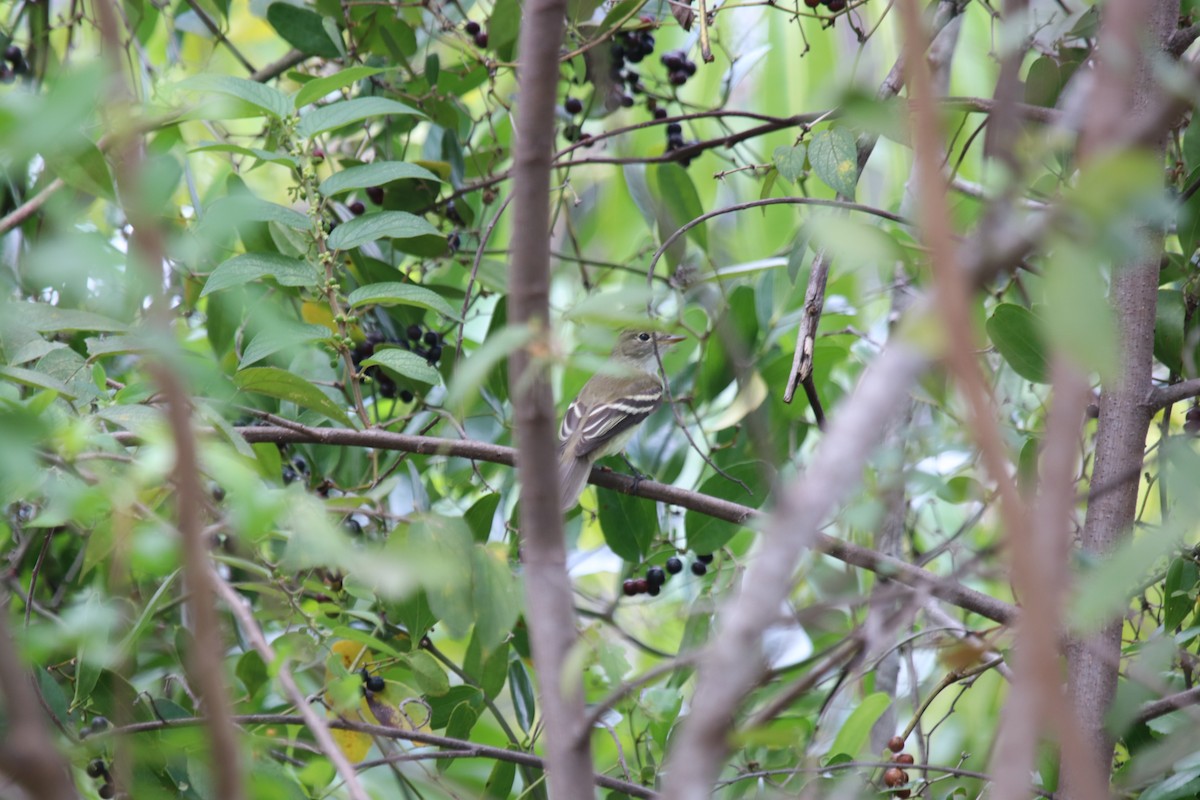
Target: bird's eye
<point>645,337</point>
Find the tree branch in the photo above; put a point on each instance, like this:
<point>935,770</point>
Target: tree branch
<point>549,608</point>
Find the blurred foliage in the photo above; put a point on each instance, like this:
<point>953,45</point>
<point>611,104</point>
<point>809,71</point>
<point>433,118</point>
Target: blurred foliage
<point>333,251</point>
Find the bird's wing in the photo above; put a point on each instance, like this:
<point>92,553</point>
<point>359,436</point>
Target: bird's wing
<point>601,423</point>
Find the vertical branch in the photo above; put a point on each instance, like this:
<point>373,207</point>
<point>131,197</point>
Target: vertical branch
<point>1123,81</point>
<point>27,753</point>
<point>205,665</point>
<point>547,586</point>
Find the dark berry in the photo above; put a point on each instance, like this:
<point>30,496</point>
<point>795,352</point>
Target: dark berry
<point>375,684</point>
<point>12,54</point>
<point>627,100</point>
<point>672,60</point>
<point>452,212</point>
<point>434,354</point>
<point>893,776</point>
<point>705,559</point>
<point>655,576</point>
<point>642,585</point>
<point>904,758</point>
<point>218,492</point>
<point>689,68</point>
<point>472,27</point>
<point>453,242</point>
<point>432,338</point>
<point>836,5</point>
<point>357,208</point>
<point>660,113</point>
<point>375,194</point>
<point>677,77</point>
<point>573,105</point>
<point>812,3</point>
<point>674,128</point>
<point>571,133</point>
<point>107,791</point>
<point>352,527</point>
<point>698,568</point>
<point>895,744</point>
<point>653,590</point>
<point>387,387</point>
<point>289,474</point>
<point>96,768</point>
<point>406,396</point>
<point>903,794</point>
<point>635,56</point>
<point>414,332</point>
<point>481,39</point>
<point>301,467</point>
<point>629,587</point>
<point>674,565</point>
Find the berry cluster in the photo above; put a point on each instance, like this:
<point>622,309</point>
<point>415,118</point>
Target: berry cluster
<point>14,65</point>
<point>679,67</point>
<point>425,343</point>
<point>98,770</point>
<point>657,576</point>
<point>372,684</point>
<point>630,47</point>
<point>297,468</point>
<point>476,33</point>
<point>833,5</point>
<point>897,776</point>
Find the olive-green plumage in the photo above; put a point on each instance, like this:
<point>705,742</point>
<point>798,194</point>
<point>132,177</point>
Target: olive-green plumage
<point>601,420</point>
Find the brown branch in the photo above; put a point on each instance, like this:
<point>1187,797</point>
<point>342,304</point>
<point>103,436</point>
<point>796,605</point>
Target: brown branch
<point>1163,706</point>
<point>862,557</point>
<point>1126,107</point>
<point>27,752</point>
<point>205,664</point>
<point>283,673</point>
<point>549,607</point>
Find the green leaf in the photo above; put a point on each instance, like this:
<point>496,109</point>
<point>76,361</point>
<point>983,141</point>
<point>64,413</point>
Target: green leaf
<point>45,318</point>
<point>523,697</point>
<point>405,363</point>
<point>259,95</point>
<point>479,517</point>
<point>401,294</point>
<point>429,674</point>
<point>284,385</point>
<point>462,720</point>
<point>249,267</point>
<point>303,29</point>
<point>379,225</point>
<point>238,209</point>
<point>629,524</point>
<point>377,174</point>
<point>319,87</point>
<point>471,373</point>
<point>345,112</point>
<point>856,730</point>
<point>834,157</point>
<point>281,336</point>
<point>500,781</point>
<point>1015,332</point>
<point>678,194</point>
<point>270,156</point>
<point>1168,329</point>
<point>504,23</point>
<point>37,380</point>
<point>494,596</point>
<point>706,534</point>
<point>1179,592</point>
<point>790,161</point>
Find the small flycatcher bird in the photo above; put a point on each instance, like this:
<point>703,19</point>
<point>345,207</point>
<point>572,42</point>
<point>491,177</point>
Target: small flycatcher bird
<point>601,420</point>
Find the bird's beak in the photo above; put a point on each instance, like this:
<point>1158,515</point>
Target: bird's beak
<point>669,338</point>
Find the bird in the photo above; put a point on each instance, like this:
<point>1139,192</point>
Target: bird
<point>605,415</point>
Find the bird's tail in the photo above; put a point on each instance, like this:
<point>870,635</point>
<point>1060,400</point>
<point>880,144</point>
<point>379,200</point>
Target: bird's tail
<point>572,478</point>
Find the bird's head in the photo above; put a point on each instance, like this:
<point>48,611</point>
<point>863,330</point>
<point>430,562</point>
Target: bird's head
<point>636,348</point>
